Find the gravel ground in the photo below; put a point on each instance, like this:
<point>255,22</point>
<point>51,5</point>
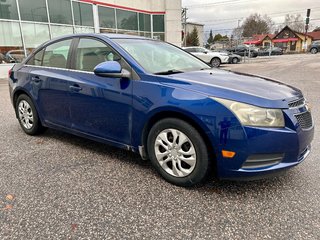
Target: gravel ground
<point>58,186</point>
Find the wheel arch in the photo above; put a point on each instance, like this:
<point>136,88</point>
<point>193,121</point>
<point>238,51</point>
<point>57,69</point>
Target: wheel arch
<point>15,96</point>
<point>201,128</point>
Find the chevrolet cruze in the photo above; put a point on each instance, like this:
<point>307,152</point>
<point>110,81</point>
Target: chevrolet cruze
<point>151,97</point>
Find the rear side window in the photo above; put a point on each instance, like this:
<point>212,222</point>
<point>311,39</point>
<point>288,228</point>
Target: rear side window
<point>56,55</point>
<point>36,59</point>
<point>91,52</point>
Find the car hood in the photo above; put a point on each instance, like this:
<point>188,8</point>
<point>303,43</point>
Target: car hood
<point>251,89</point>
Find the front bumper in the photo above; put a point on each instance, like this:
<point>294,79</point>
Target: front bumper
<point>224,59</point>
<point>262,152</point>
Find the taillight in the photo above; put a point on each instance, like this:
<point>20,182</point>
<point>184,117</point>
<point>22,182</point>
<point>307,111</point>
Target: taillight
<point>9,73</point>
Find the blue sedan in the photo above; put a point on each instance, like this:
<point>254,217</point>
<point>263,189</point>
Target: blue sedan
<point>151,97</point>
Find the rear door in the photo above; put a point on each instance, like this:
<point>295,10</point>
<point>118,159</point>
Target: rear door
<point>49,77</point>
<point>99,106</point>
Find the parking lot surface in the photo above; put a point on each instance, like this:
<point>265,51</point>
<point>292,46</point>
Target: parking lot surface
<point>59,186</point>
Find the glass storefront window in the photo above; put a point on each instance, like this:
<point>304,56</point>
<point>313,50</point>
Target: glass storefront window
<point>127,20</point>
<point>35,34</point>
<point>83,14</point>
<point>128,32</point>
<point>10,42</point>
<point>158,23</point>
<point>8,9</point>
<point>57,30</point>
<point>60,11</point>
<point>144,22</point>
<point>158,36</point>
<point>145,34</point>
<point>33,10</point>
<point>83,30</point>
<point>106,17</point>
<point>106,30</point>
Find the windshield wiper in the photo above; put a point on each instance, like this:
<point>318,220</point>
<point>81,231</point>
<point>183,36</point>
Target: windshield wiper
<point>171,71</point>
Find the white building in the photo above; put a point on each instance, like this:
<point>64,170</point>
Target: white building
<point>189,28</point>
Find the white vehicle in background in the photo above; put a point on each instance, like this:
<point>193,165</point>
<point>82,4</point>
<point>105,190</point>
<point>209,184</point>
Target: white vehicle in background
<point>213,58</point>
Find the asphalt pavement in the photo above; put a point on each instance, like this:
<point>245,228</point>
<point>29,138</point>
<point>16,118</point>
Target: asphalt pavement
<point>59,186</point>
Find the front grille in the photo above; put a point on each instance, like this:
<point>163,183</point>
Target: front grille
<point>297,103</point>
<point>262,161</point>
<point>305,120</point>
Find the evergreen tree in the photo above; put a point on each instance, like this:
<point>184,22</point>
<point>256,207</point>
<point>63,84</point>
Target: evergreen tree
<point>210,39</point>
<point>193,38</point>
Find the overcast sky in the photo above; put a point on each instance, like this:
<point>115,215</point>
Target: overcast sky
<point>222,15</point>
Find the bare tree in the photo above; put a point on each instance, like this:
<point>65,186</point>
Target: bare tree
<point>257,24</point>
<point>295,22</point>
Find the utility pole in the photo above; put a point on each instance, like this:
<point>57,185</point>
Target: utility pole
<point>307,27</point>
<point>239,35</point>
<point>184,23</point>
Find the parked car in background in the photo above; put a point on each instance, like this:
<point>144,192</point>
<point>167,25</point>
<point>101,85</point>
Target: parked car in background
<point>2,58</point>
<point>151,97</point>
<point>212,58</point>
<point>233,58</point>
<point>314,47</point>
<point>243,50</point>
<point>15,56</point>
<point>274,51</point>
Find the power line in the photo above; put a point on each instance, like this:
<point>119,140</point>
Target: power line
<point>271,13</point>
<point>227,2</point>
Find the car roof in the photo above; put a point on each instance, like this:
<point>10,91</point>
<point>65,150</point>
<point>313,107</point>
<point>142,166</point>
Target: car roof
<point>108,35</point>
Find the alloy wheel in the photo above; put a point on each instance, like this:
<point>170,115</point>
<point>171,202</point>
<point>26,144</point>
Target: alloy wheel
<point>175,152</point>
<point>25,114</point>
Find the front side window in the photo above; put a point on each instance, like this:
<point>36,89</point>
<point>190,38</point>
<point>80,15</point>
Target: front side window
<point>56,54</point>
<point>91,52</point>
<point>160,57</point>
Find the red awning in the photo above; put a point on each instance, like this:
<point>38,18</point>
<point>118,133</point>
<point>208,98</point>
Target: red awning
<point>252,42</point>
<point>285,40</point>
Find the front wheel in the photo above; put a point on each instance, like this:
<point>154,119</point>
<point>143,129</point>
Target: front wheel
<point>178,152</point>
<point>215,62</point>
<point>235,60</point>
<point>28,116</point>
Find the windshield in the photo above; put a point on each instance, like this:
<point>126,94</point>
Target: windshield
<point>159,57</point>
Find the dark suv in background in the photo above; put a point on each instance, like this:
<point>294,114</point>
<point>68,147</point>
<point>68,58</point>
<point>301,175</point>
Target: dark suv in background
<point>315,47</point>
<point>243,50</point>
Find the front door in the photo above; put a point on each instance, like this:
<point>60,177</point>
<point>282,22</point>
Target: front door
<point>293,46</point>
<point>99,106</point>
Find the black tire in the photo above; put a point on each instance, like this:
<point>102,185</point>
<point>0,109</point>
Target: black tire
<point>235,60</point>
<point>201,167</point>
<point>313,50</point>
<point>36,127</point>
<point>215,62</point>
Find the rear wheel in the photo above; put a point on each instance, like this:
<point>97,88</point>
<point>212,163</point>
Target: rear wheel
<point>314,50</point>
<point>28,116</point>
<point>178,152</point>
<point>215,62</point>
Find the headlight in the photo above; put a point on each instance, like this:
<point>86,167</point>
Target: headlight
<point>250,115</point>
<point>224,54</point>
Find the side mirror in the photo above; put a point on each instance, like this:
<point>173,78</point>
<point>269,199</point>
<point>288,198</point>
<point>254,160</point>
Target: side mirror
<point>206,52</point>
<point>111,69</point>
